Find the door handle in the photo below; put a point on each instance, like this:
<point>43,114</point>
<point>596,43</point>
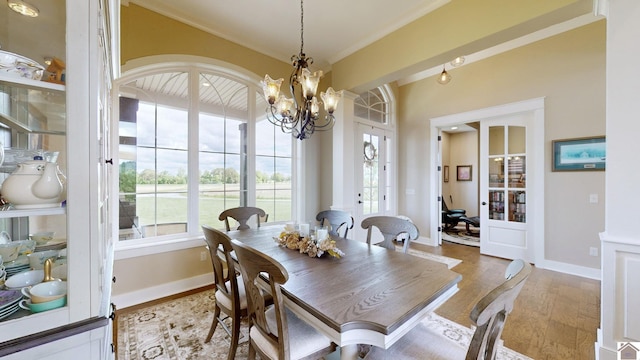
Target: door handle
<point>484,203</point>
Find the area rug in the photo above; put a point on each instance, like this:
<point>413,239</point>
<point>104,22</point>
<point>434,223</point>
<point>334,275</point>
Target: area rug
<point>459,235</point>
<point>176,329</point>
<point>450,262</point>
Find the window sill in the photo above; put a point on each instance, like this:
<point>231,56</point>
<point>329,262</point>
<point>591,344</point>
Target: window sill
<point>131,249</point>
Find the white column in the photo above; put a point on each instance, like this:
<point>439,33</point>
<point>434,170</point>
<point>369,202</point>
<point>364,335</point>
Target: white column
<point>620,315</point>
<point>343,155</point>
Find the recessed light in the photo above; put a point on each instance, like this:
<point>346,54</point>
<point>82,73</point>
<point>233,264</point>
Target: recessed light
<point>457,61</point>
<point>23,8</point>
<point>454,128</point>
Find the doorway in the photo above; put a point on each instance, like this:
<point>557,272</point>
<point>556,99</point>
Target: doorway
<point>517,232</point>
<point>373,175</point>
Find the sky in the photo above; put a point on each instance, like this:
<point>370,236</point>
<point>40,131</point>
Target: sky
<point>172,138</point>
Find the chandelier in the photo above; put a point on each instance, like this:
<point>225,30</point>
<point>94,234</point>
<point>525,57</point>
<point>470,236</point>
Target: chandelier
<point>300,114</point>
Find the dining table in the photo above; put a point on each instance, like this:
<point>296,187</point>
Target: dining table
<point>370,295</point>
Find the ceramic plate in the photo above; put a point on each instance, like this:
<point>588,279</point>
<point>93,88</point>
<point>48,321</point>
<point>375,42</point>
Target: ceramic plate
<point>9,311</point>
<point>55,244</point>
<point>8,297</point>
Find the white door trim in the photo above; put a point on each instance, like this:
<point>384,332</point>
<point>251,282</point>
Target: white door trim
<point>536,106</point>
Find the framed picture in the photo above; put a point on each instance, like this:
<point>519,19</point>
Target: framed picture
<point>463,173</point>
<point>580,154</point>
<point>445,173</point>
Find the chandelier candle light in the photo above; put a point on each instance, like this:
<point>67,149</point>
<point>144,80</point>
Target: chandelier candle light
<point>300,114</point>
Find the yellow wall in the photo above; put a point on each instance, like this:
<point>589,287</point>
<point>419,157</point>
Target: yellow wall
<point>569,71</point>
<point>146,33</point>
<point>460,27</point>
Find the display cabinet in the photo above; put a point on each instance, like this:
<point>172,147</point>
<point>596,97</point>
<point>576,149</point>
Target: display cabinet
<point>68,118</point>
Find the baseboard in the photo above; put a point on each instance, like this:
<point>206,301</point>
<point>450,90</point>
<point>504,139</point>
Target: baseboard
<point>425,241</point>
<point>157,292</point>
<point>603,353</point>
<point>571,269</point>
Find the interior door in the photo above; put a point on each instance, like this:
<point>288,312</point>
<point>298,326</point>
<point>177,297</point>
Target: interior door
<point>506,150</point>
<point>372,179</point>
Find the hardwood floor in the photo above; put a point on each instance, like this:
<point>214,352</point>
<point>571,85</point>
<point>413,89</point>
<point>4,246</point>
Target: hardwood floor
<point>555,316</point>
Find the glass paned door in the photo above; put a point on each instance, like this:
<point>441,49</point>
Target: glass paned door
<point>504,230</point>
<point>374,182</point>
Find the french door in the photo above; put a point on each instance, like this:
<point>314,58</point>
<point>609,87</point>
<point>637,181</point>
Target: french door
<point>374,175</point>
<point>505,195</point>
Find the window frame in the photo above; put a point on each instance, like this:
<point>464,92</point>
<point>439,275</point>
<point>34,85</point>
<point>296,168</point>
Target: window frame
<point>158,64</point>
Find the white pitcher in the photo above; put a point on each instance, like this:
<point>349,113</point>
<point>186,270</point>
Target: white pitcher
<point>34,184</point>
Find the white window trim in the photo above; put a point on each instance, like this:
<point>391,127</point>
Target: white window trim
<point>194,65</point>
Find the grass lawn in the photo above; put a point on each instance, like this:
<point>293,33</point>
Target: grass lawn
<point>172,203</point>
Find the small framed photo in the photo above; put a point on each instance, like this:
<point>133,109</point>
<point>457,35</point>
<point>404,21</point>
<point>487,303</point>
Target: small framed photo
<point>445,173</point>
<point>463,173</point>
<point>580,154</point>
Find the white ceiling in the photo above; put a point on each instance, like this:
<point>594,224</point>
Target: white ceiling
<point>333,29</point>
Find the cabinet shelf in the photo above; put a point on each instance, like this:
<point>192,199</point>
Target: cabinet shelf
<point>32,84</point>
<point>30,106</point>
<point>32,212</point>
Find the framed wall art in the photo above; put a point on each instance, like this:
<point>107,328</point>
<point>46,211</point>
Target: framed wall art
<point>463,173</point>
<point>580,154</point>
<point>445,173</point>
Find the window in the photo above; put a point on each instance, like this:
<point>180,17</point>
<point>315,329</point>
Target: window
<point>373,106</point>
<point>190,143</point>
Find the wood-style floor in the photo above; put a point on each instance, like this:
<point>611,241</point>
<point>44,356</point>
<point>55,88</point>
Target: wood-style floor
<point>555,316</point>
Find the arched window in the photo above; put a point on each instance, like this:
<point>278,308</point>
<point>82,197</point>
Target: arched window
<point>373,106</point>
<point>193,141</point>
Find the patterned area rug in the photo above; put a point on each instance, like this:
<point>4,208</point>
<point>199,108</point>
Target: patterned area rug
<point>459,235</point>
<point>176,329</point>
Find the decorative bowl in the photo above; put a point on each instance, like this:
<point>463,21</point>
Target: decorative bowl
<point>26,246</point>
<point>37,259</point>
<point>25,278</point>
<point>9,251</point>
<point>44,306</point>
<point>42,237</point>
<point>15,65</point>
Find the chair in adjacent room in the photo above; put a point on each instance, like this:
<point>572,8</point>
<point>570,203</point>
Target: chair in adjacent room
<point>488,315</point>
<point>297,340</point>
<point>242,215</point>
<point>391,227</point>
<point>231,299</point>
<point>339,221</point>
<point>451,217</point>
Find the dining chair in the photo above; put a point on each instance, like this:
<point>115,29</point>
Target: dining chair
<point>242,215</point>
<point>338,220</point>
<point>231,299</point>
<point>275,332</point>
<point>488,315</point>
<point>391,227</point>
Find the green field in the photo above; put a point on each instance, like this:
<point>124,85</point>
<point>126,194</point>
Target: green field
<point>171,203</point>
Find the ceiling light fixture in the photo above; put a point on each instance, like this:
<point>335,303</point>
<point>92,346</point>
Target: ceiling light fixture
<point>457,61</point>
<point>444,77</point>
<point>23,8</point>
<point>300,114</point>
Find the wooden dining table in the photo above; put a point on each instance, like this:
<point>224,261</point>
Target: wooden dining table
<point>371,295</point>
